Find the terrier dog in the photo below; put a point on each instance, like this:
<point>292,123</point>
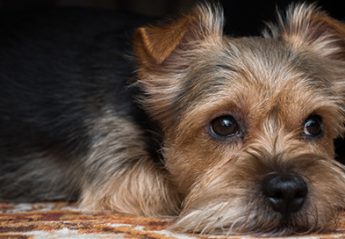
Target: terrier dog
<point>230,135</point>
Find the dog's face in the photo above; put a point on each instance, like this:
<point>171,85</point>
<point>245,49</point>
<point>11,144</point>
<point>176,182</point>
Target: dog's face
<point>249,123</point>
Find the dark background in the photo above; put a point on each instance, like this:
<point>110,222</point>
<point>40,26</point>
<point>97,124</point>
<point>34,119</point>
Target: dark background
<point>244,17</point>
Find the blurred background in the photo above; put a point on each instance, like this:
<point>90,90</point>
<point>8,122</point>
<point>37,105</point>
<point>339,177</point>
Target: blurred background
<point>244,17</point>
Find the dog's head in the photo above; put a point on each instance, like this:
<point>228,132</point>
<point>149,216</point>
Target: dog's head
<point>249,123</point>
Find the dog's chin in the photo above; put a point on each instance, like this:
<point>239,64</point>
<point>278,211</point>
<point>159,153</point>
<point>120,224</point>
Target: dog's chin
<point>241,208</point>
<point>233,217</point>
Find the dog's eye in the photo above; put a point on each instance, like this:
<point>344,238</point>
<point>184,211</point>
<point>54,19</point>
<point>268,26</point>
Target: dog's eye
<point>224,126</point>
<point>313,126</point>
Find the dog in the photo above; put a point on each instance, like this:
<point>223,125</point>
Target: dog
<point>229,135</point>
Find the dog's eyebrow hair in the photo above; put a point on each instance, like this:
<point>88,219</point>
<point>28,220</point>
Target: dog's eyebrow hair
<point>183,100</point>
<point>205,86</point>
<point>226,67</point>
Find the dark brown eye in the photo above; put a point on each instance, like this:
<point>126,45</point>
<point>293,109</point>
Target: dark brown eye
<point>313,126</point>
<point>224,126</point>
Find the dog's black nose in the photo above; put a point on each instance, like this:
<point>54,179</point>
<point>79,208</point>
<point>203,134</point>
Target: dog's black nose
<point>285,193</point>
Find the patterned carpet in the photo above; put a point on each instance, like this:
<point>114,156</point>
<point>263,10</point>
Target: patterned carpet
<point>61,220</point>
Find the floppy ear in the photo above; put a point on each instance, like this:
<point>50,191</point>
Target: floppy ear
<point>165,54</point>
<point>154,44</point>
<point>306,27</point>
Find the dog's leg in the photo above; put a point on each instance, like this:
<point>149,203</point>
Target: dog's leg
<point>120,176</point>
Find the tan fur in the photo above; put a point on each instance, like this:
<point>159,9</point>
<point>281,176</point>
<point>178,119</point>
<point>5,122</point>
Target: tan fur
<point>307,28</point>
<point>270,84</point>
<point>191,74</point>
<point>159,155</point>
<point>154,44</point>
<point>177,43</point>
<point>131,183</point>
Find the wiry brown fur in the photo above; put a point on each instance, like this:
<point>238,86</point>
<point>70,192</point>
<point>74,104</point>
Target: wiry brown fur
<point>189,74</point>
<point>128,176</point>
<point>270,84</point>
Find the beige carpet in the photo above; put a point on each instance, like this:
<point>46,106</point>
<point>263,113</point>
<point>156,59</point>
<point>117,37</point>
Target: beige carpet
<point>61,220</point>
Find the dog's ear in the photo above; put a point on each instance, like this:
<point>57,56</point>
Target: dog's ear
<point>310,31</point>
<point>154,44</point>
<point>165,55</point>
<point>306,27</point>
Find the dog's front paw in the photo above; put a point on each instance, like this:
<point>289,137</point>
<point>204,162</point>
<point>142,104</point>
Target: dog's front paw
<point>141,189</point>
